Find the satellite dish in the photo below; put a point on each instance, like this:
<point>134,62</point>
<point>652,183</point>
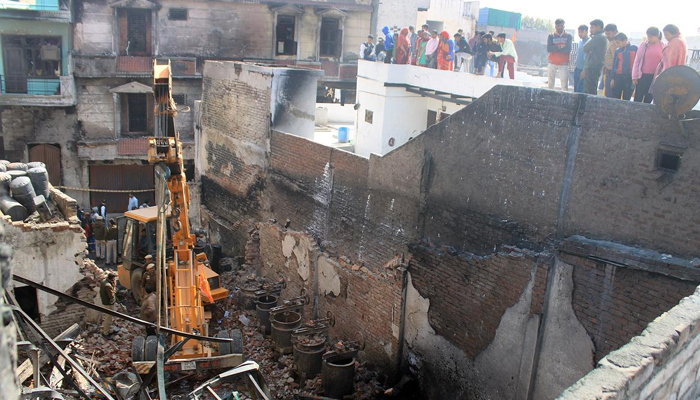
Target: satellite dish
<point>677,90</point>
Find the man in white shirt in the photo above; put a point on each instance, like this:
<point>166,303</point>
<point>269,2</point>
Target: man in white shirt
<point>103,209</point>
<point>133,202</point>
<point>507,55</point>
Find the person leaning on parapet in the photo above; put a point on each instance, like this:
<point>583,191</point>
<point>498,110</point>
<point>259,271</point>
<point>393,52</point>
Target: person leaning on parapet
<point>580,58</point>
<point>610,33</point>
<point>100,230</point>
<point>108,296</point>
<point>403,48</point>
<point>388,45</point>
<point>133,202</point>
<point>463,53</point>
<point>621,82</point>
<point>111,238</point>
<point>645,64</point>
<point>507,55</point>
<point>595,50</point>
<point>431,50</point>
<point>367,49</point>
<point>379,49</point>
<point>446,52</point>
<point>559,49</point>
<point>412,38</point>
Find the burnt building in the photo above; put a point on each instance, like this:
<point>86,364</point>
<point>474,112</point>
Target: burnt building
<point>82,103</point>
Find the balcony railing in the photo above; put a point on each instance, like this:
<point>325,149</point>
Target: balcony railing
<point>56,10</point>
<point>89,66</point>
<point>36,91</point>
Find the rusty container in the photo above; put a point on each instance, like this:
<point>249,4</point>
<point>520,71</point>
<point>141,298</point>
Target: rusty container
<point>247,296</point>
<point>282,325</point>
<point>338,375</point>
<point>308,358</point>
<point>262,306</point>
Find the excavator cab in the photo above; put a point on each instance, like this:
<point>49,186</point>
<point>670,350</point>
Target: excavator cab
<point>138,235</point>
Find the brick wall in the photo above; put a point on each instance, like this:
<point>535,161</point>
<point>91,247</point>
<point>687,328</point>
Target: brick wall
<point>663,362</point>
<point>365,304</point>
<point>469,294</point>
<point>614,301</point>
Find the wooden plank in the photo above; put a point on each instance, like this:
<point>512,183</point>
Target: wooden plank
<point>56,379</point>
<point>25,371</point>
<point>80,380</point>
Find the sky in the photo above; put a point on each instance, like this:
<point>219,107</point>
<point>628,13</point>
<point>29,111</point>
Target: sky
<point>629,16</point>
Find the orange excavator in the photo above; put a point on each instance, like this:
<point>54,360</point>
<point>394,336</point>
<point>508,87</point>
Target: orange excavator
<point>183,278</point>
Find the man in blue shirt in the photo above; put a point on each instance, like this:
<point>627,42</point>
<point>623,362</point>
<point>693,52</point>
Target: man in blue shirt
<point>580,58</point>
<point>133,202</point>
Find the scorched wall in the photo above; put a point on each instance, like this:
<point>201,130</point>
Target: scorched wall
<point>475,210</point>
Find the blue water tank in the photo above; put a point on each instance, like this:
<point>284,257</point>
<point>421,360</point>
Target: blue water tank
<point>343,134</point>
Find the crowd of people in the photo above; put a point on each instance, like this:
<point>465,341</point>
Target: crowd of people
<point>603,58</point>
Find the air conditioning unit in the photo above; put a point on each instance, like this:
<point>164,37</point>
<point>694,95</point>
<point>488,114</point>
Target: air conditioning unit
<point>50,53</point>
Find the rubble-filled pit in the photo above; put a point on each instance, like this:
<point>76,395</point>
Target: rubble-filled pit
<point>106,356</point>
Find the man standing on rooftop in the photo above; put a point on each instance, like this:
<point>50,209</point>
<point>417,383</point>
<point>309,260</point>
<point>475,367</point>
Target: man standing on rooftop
<point>559,49</point>
<point>595,50</point>
<point>610,33</point>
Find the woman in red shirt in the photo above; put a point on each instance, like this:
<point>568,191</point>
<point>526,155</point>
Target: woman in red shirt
<point>403,47</point>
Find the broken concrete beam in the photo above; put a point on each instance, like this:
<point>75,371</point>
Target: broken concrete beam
<point>25,370</point>
<point>42,208</point>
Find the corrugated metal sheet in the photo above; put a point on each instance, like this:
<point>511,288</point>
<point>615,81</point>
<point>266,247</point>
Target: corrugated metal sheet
<point>120,177</point>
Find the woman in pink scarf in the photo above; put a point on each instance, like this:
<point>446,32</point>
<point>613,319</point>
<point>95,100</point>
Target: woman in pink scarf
<point>676,50</point>
<point>431,50</point>
<point>403,47</point>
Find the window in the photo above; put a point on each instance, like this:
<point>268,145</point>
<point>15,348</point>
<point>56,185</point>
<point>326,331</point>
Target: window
<point>32,64</point>
<point>286,26</point>
<point>432,118</point>
<point>177,14</point>
<point>330,37</point>
<point>137,111</point>
<point>180,99</point>
<point>369,116</point>
<point>134,32</point>
<point>668,161</point>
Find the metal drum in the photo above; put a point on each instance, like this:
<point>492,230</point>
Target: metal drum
<point>35,164</point>
<point>11,207</point>
<point>308,355</point>
<point>23,191</point>
<point>40,181</point>
<point>17,166</point>
<point>3,168</point>
<point>5,163</point>
<point>282,326</point>
<point>5,180</point>
<point>262,306</point>
<point>338,375</point>
<point>14,174</point>
<point>247,296</point>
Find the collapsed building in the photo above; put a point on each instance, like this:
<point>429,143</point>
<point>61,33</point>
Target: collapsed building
<point>504,252</point>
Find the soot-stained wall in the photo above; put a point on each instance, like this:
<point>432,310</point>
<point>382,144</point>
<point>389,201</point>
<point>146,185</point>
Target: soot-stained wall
<point>485,198</point>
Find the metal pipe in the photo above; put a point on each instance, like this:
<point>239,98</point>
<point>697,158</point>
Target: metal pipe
<point>117,314</point>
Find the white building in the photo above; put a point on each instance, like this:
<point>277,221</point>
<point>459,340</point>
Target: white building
<point>395,103</point>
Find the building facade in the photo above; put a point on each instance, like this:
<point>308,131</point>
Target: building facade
<point>87,107</point>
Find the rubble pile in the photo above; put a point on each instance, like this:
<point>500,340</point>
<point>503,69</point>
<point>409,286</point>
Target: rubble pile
<point>279,370</point>
<point>103,357</point>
